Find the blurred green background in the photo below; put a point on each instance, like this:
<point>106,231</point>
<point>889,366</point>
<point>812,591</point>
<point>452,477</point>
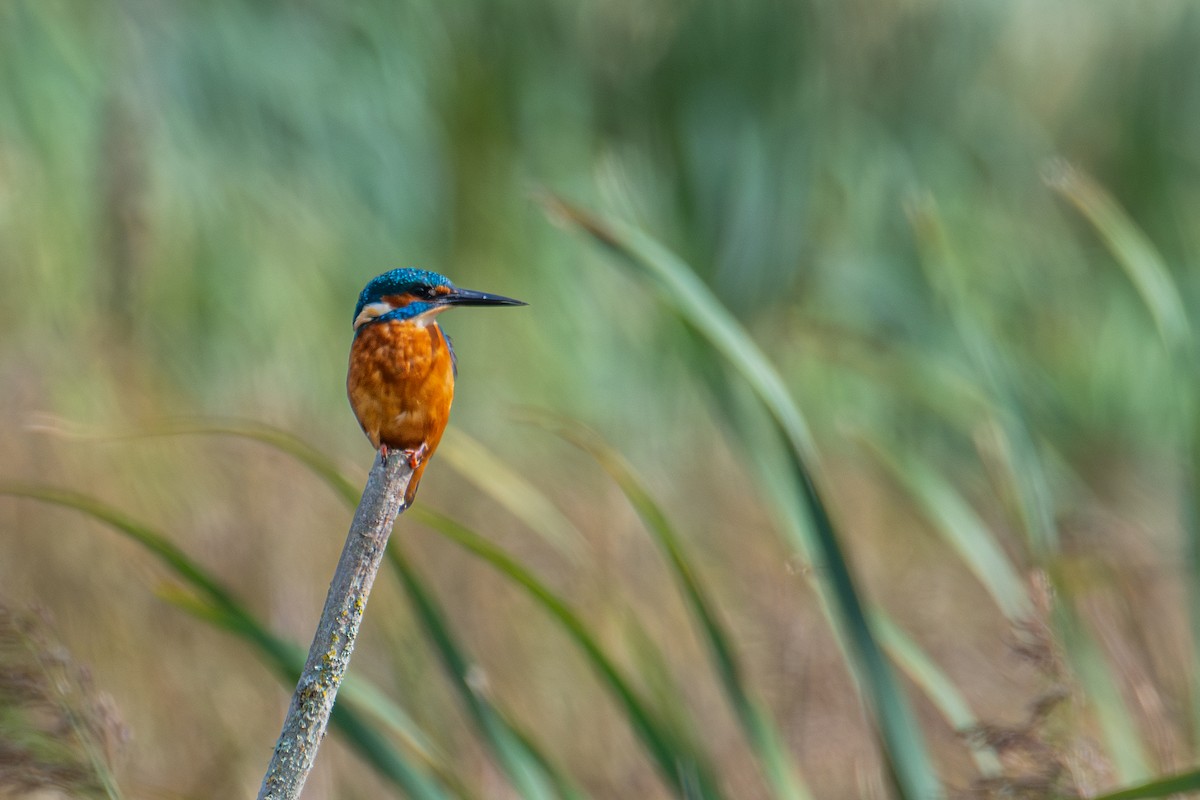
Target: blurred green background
<point>193,193</point>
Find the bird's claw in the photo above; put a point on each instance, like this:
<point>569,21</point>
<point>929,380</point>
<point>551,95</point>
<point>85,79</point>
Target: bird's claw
<point>415,457</point>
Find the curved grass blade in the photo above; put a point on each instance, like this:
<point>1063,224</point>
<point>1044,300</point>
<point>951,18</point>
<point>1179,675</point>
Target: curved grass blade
<point>1147,271</point>
<point>353,690</point>
<point>510,489</point>
<point>356,693</point>
<point>563,785</point>
<point>1091,668</point>
<point>1184,782</point>
<point>962,529</point>
<point>760,729</point>
<point>389,762</point>
<point>901,735</point>
<point>1030,485</point>
<point>903,743</point>
<point>936,685</point>
<point>1131,247</point>
<point>764,453</point>
<point>681,767</point>
<point>470,457</point>
<point>281,440</point>
<point>515,755</point>
<point>933,384</point>
<point>697,305</point>
<point>500,734</point>
<point>656,679</point>
<point>320,464</point>
<point>1027,474</point>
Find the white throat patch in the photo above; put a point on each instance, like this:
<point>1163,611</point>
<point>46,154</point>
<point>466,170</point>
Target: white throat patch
<point>371,311</point>
<point>422,320</point>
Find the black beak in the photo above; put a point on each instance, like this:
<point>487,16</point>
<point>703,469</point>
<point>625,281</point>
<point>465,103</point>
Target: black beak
<point>467,297</point>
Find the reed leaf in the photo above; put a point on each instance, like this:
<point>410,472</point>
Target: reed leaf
<point>515,493</point>
<point>681,767</point>
<point>226,610</point>
<point>1180,784</point>
<point>1133,250</point>
<point>1147,270</point>
<point>903,744</point>
<point>937,686</point>
<point>1026,474</point>
<point>515,754</point>
<point>961,528</point>
<point>760,729</point>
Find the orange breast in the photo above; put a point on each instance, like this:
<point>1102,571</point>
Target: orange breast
<point>401,384</point>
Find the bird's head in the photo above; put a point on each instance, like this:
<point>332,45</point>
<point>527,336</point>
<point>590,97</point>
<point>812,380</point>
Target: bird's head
<point>416,295</point>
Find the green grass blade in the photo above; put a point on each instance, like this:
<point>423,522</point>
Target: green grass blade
<point>680,767</point>
<point>1031,487</point>
<point>357,695</point>
<point>356,692</point>
<point>1190,500</point>
<point>1185,782</point>
<point>919,666</point>
<point>903,742</point>
<point>513,491</point>
<point>681,287</point>
<point>563,785</point>
<point>1132,249</point>
<point>962,529</point>
<point>944,273</point>
<point>512,753</point>
<point>158,544</point>
<point>1147,271</point>
<point>901,734</point>
<point>369,700</point>
<point>224,608</point>
<point>936,685</point>
<point>656,678</point>
<point>1124,746</point>
<point>760,729</point>
<point>360,693</point>
<point>370,696</point>
<point>281,440</point>
<point>468,456</point>
<point>379,752</point>
<point>905,371</point>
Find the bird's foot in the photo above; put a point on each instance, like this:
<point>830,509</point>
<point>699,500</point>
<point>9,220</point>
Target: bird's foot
<point>416,456</point>
<point>383,453</point>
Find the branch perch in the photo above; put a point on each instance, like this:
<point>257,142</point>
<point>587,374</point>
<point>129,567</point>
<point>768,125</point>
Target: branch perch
<point>329,657</point>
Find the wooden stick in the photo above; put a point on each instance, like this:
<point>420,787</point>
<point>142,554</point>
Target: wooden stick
<point>333,644</point>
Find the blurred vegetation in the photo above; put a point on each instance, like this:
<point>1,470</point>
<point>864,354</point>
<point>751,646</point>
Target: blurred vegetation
<point>56,731</point>
<point>963,234</point>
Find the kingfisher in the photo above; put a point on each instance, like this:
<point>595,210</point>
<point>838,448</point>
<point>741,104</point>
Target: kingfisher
<point>402,366</point>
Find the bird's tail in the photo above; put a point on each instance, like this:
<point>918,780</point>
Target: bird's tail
<point>411,492</point>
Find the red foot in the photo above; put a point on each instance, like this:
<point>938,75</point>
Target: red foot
<point>383,453</point>
<point>415,457</point>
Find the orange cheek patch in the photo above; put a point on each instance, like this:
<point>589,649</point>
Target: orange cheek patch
<point>441,290</point>
<point>399,300</point>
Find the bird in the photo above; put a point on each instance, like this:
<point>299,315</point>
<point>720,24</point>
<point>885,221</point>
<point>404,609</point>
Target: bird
<point>402,369</point>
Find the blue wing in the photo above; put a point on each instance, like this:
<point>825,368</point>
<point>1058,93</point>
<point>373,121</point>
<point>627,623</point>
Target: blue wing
<point>453,355</point>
